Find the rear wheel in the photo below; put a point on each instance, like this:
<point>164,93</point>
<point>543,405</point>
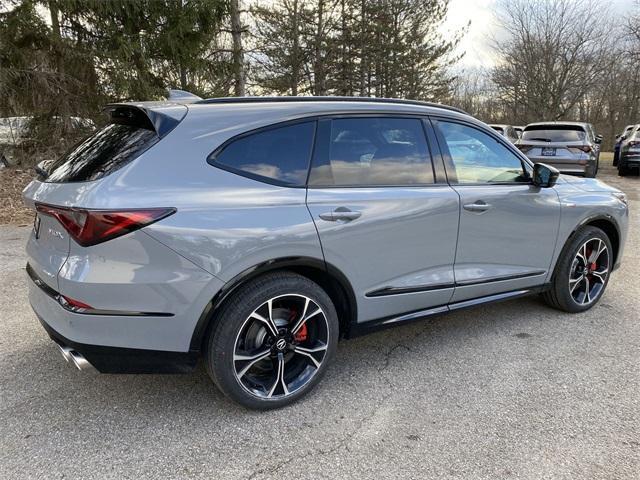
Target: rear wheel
<point>582,272</point>
<point>622,170</point>
<point>272,341</point>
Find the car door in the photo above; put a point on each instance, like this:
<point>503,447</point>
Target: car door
<point>384,218</point>
<point>508,226</point>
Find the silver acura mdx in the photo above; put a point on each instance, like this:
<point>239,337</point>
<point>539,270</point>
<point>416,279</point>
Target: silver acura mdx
<point>255,232</point>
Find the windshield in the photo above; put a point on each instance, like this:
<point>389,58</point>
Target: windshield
<point>554,133</point>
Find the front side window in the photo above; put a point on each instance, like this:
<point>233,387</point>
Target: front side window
<point>279,155</point>
<point>478,157</point>
<point>374,151</point>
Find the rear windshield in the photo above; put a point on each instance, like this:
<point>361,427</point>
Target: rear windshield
<point>554,133</point>
<point>108,149</point>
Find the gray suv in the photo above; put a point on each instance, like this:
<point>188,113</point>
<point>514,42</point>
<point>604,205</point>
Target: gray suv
<point>255,232</point>
<point>571,147</point>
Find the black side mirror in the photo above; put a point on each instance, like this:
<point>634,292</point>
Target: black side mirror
<point>618,136</point>
<point>544,176</point>
<point>598,139</point>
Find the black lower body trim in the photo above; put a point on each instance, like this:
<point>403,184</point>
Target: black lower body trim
<point>128,360</point>
<point>364,328</point>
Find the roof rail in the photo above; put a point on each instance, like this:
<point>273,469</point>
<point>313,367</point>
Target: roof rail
<point>326,99</point>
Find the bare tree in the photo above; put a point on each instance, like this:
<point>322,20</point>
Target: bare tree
<point>552,54</point>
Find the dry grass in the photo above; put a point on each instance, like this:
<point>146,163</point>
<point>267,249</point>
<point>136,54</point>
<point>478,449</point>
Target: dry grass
<point>12,182</point>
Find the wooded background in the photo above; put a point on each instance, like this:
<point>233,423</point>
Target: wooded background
<point>556,59</point>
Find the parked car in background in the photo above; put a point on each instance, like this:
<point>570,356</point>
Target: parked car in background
<point>255,232</point>
<point>629,157</point>
<point>506,131</point>
<point>571,147</point>
<point>519,129</point>
<point>619,139</point>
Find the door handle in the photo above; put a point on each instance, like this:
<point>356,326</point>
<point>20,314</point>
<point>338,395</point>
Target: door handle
<point>340,214</point>
<point>478,207</point>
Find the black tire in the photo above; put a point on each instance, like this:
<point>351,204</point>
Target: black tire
<point>559,296</point>
<point>232,321</point>
<point>622,170</point>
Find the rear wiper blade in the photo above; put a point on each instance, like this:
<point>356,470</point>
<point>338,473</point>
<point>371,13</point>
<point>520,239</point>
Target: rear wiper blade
<point>541,139</point>
<point>40,170</point>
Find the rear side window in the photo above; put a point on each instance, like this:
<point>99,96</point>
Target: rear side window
<point>374,151</point>
<point>554,133</point>
<point>278,155</point>
<point>105,151</point>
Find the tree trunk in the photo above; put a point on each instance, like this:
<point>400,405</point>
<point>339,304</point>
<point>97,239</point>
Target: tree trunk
<point>295,60</point>
<point>319,70</point>
<point>238,52</point>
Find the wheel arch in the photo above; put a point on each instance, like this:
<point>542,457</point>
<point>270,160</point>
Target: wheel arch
<point>608,225</point>
<point>328,277</point>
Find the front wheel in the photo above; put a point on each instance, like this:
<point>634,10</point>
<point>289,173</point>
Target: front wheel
<point>272,341</point>
<point>582,271</point>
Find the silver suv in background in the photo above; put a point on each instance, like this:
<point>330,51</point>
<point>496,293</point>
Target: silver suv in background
<point>629,156</point>
<point>253,233</point>
<point>507,131</point>
<point>571,147</point>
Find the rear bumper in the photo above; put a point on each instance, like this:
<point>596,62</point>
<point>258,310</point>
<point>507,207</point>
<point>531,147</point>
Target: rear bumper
<point>111,343</point>
<point>571,166</point>
<point>126,360</point>
<point>630,159</point>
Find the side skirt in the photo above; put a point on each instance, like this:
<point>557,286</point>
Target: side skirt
<point>371,326</point>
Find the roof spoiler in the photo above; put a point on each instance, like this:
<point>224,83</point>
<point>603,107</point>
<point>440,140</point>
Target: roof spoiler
<point>182,96</point>
<point>160,117</point>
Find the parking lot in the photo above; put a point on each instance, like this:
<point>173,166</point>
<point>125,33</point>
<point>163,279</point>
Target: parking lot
<point>511,390</point>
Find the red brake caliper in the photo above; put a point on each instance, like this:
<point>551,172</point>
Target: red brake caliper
<point>302,334</point>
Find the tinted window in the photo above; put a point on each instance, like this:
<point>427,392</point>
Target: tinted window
<point>280,154</point>
<point>554,133</point>
<point>374,151</point>
<point>105,151</point>
<point>478,157</point>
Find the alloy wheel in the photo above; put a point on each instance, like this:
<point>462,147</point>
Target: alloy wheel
<point>589,271</point>
<point>281,346</point>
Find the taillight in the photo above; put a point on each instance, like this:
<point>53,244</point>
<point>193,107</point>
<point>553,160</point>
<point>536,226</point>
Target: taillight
<point>581,148</point>
<point>90,227</point>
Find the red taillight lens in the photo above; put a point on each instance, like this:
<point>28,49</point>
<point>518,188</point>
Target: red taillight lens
<point>581,148</point>
<point>90,227</point>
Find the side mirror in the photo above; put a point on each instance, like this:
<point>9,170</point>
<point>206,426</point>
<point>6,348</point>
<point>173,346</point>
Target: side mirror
<point>598,139</point>
<point>618,136</point>
<point>544,176</point>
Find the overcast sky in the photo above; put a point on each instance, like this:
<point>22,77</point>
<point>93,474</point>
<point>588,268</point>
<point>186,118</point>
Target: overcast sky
<point>475,43</point>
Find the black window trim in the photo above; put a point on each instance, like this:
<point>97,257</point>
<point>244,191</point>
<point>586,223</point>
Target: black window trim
<point>211,158</point>
<point>434,152</point>
<point>448,161</point>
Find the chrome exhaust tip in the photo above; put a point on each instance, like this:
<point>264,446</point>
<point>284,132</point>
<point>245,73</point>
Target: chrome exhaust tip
<point>66,352</point>
<point>71,356</point>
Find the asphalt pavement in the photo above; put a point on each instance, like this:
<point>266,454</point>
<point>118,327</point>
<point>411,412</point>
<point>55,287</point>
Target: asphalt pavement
<point>511,390</point>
